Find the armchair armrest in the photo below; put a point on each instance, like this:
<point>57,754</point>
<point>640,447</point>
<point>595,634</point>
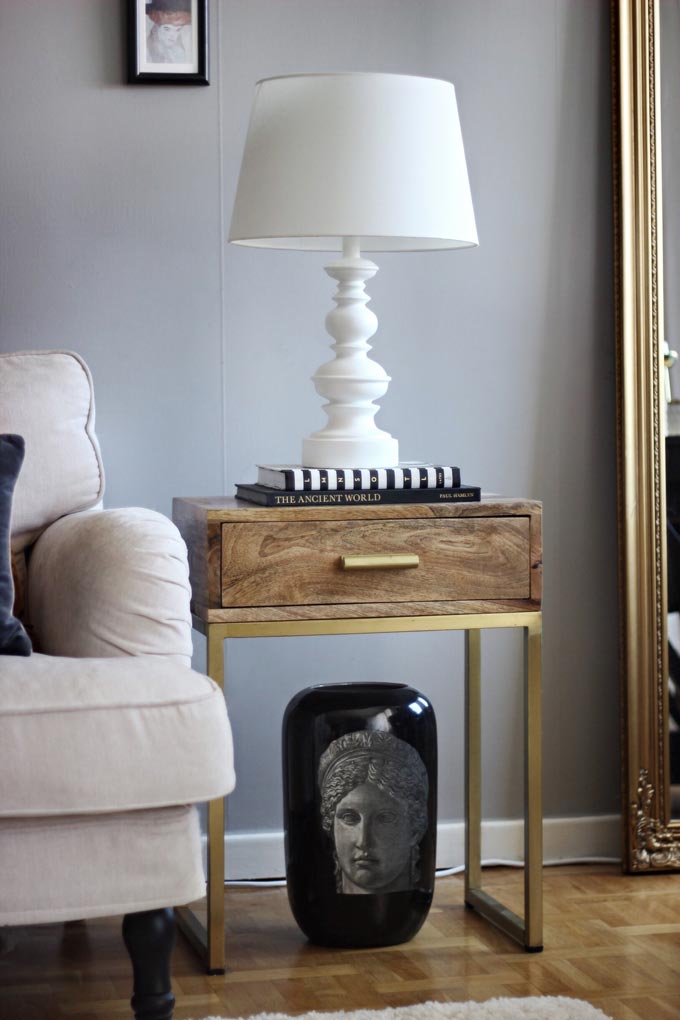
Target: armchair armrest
<point>110,582</point>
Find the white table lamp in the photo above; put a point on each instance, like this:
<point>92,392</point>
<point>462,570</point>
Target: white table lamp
<point>352,162</point>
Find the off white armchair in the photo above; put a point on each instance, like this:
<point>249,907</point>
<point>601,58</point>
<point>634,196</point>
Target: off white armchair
<point>108,738</point>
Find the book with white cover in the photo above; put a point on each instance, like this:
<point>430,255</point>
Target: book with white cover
<point>409,475</point>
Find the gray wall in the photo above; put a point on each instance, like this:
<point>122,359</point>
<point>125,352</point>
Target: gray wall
<point>114,208</point>
<point>669,92</point>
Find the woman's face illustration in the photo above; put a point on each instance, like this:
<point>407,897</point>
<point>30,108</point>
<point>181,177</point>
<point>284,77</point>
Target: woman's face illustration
<point>372,841</point>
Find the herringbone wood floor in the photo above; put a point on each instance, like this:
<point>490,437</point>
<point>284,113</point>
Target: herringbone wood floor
<point>613,940</point>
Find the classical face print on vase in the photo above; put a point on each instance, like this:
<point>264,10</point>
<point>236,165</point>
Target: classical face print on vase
<point>374,790</point>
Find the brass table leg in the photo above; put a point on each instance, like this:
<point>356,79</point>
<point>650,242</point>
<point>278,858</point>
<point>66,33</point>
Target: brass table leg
<point>209,941</point>
<point>527,931</point>
<point>473,762</point>
<point>533,790</point>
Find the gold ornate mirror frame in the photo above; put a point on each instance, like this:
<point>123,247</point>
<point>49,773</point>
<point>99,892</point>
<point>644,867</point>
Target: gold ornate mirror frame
<point>651,840</point>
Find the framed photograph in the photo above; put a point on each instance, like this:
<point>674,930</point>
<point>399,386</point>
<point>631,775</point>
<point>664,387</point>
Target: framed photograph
<point>168,42</point>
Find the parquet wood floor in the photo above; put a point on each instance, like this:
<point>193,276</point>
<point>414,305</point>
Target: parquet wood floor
<point>611,939</point>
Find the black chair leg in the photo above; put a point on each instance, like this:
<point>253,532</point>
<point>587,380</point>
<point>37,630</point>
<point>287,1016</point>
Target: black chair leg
<point>149,939</point>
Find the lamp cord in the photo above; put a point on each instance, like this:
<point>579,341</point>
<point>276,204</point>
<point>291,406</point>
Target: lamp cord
<point>443,872</point>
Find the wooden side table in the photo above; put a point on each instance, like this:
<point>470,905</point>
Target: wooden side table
<point>369,569</point>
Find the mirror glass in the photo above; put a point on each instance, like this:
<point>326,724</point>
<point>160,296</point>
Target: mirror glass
<point>669,79</point>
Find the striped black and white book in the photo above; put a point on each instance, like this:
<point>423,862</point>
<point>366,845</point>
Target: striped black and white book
<point>411,475</point>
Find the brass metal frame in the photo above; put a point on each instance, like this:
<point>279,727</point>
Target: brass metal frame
<point>651,841</point>
<point>208,939</point>
<point>529,931</point>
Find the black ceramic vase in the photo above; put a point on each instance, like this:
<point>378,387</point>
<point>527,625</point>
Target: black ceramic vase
<point>360,801</point>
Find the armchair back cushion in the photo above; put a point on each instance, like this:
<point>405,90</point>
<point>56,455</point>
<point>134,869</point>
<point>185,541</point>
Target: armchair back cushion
<point>47,397</point>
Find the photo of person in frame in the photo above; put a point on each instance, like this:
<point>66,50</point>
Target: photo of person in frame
<point>169,32</point>
<point>374,791</point>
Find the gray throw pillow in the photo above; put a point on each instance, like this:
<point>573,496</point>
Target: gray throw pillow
<point>13,638</point>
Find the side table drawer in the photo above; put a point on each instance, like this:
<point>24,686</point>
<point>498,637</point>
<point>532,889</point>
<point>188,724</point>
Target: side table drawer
<point>300,563</point>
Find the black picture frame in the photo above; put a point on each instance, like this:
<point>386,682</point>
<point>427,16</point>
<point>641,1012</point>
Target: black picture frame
<point>167,42</point>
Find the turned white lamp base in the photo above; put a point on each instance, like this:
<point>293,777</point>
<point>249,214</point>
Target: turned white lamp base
<point>350,453</point>
<point>352,381</point>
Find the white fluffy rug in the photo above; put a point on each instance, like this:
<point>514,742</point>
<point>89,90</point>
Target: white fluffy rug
<point>542,1008</point>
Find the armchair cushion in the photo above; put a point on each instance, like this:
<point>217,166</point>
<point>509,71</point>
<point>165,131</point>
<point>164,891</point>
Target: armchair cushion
<point>110,583</point>
<point>13,638</point>
<point>48,398</point>
<point>87,736</point>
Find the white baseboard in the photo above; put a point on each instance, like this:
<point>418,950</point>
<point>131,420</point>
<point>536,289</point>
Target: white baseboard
<point>259,855</point>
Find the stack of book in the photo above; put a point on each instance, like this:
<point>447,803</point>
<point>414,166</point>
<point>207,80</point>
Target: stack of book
<point>294,485</point>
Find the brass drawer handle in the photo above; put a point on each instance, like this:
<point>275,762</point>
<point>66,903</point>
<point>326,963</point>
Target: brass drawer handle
<point>387,561</point>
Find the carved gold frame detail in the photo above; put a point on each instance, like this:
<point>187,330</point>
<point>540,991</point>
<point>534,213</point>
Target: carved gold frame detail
<point>651,840</point>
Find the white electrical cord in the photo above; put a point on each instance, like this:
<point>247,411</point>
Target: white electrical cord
<point>444,872</point>
<point>496,863</point>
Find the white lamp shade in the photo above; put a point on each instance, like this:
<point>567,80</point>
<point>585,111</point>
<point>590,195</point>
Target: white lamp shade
<point>378,157</point>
